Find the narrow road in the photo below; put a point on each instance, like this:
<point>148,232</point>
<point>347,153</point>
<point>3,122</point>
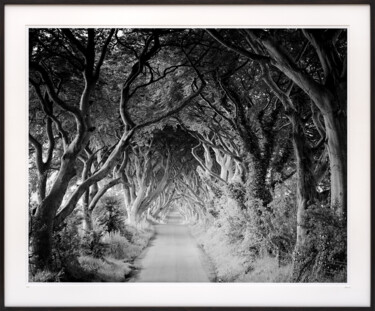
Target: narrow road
<point>173,256</point>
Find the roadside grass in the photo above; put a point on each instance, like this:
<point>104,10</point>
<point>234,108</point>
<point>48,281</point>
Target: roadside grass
<point>267,270</point>
<point>107,269</point>
<point>227,265</point>
<point>232,265</point>
<point>107,258</point>
<point>121,249</point>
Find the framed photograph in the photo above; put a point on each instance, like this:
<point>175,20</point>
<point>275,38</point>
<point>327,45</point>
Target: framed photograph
<point>179,154</point>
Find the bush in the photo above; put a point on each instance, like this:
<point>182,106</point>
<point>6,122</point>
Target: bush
<point>142,236</point>
<point>245,233</point>
<point>105,270</point>
<point>282,220</point>
<point>227,265</point>
<point>129,232</point>
<point>267,269</point>
<point>118,246</point>
<point>324,256</point>
<point>110,216</point>
<point>45,276</point>
<point>93,245</point>
<point>67,242</point>
<point>229,240</point>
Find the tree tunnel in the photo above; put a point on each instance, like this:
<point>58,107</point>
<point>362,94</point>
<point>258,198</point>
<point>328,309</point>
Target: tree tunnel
<point>240,131</point>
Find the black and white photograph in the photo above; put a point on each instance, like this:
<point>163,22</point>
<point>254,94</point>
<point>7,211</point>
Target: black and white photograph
<point>187,155</point>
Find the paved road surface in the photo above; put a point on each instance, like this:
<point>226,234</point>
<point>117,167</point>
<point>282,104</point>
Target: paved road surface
<point>173,256</point>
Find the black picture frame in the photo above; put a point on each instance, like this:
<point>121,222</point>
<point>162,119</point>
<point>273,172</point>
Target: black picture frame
<point>4,3</point>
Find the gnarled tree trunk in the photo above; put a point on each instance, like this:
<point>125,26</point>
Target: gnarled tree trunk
<point>43,222</point>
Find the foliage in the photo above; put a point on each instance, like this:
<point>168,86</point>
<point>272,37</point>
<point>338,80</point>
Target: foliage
<point>324,257</point>
<point>92,244</point>
<point>248,241</point>
<point>105,270</point>
<point>118,246</point>
<point>111,218</point>
<point>141,236</point>
<point>45,276</point>
<point>282,221</point>
<point>67,242</point>
<point>231,240</point>
<point>267,269</point>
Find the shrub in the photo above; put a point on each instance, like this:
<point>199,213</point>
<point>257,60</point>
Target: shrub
<point>45,276</point>
<point>282,220</point>
<point>267,269</point>
<point>66,242</point>
<point>223,255</point>
<point>73,272</point>
<point>324,256</point>
<point>129,232</point>
<point>244,231</point>
<point>105,270</point>
<point>229,240</point>
<point>110,216</point>
<point>142,236</point>
<point>118,246</point>
<point>93,245</point>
